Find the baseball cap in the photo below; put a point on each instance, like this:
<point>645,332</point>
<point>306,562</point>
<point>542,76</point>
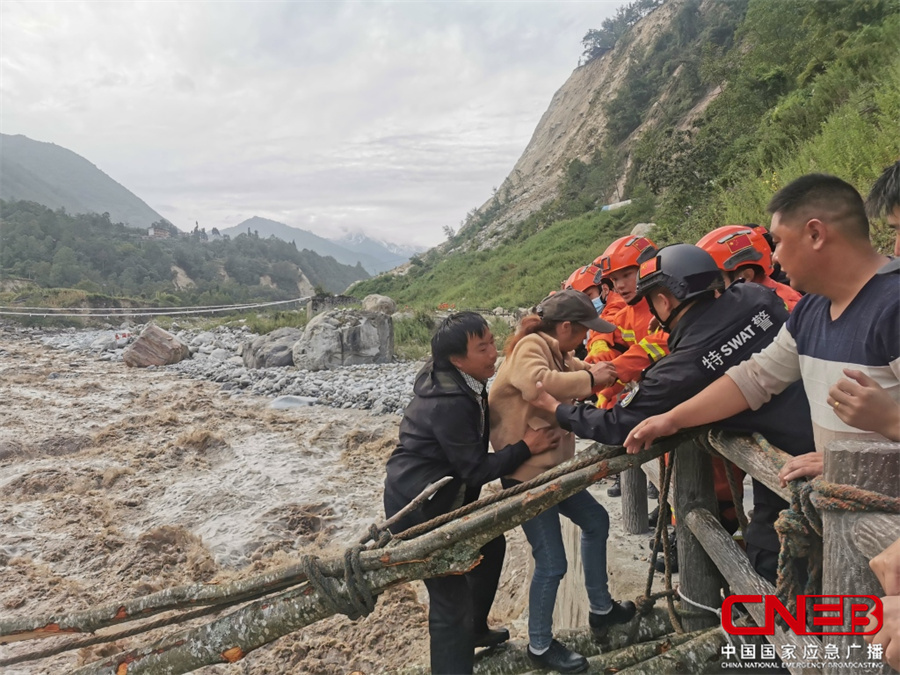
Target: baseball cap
<point>572,305</point>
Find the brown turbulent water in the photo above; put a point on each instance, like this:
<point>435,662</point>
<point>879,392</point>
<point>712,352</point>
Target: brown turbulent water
<point>117,482</point>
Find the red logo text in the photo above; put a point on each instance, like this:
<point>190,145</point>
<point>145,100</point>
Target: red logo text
<point>837,614</point>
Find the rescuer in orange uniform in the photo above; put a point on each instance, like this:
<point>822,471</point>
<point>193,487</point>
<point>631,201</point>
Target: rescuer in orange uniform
<point>632,347</point>
<point>742,252</point>
<point>607,303</point>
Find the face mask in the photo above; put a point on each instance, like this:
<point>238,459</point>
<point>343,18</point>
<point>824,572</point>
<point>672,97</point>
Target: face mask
<point>598,304</point>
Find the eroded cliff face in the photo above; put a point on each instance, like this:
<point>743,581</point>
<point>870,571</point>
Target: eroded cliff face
<point>575,125</point>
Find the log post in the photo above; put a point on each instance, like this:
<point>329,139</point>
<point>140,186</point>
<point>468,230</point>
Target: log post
<point>634,501</point>
<point>700,579</point>
<point>845,568</point>
<point>743,580</point>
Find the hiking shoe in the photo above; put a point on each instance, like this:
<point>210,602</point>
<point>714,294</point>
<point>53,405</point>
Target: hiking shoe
<point>653,518</point>
<point>491,637</point>
<point>652,492</point>
<point>620,613</point>
<point>559,658</point>
<point>673,552</point>
<point>616,489</point>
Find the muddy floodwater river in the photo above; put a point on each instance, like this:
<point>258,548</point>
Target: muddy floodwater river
<point>117,482</point>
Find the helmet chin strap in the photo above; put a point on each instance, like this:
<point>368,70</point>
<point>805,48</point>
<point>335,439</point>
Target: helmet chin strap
<point>679,308</point>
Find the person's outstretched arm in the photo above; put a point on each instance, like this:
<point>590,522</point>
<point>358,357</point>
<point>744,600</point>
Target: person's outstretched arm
<point>719,400</point>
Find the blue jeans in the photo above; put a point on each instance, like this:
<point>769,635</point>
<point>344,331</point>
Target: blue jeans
<point>545,536</point>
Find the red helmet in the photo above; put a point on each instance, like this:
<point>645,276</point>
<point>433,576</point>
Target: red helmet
<point>735,246</point>
<point>583,278</point>
<point>628,251</point>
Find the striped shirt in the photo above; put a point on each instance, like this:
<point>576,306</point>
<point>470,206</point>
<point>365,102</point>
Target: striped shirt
<point>813,347</point>
<point>480,390</point>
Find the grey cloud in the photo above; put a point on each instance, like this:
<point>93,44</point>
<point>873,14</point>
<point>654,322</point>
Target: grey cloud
<point>390,118</point>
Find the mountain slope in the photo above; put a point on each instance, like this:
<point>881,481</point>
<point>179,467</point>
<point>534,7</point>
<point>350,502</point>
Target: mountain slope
<point>265,228</point>
<point>58,178</point>
<point>89,252</point>
<point>698,113</point>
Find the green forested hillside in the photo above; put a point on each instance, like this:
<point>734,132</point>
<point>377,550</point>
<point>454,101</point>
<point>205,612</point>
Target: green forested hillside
<point>59,178</point>
<point>806,86</point>
<point>91,253</point>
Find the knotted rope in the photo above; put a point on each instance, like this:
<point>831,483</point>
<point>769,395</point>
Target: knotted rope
<point>647,600</point>
<point>799,529</point>
<point>359,600</point>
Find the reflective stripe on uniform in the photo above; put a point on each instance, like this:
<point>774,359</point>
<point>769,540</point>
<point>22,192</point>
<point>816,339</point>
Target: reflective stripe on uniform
<point>654,351</point>
<point>628,335</point>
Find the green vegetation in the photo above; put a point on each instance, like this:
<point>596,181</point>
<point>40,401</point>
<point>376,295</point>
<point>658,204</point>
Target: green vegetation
<point>104,259</point>
<point>599,41</point>
<point>806,86</point>
<point>412,336</point>
<point>809,87</point>
<point>519,272</point>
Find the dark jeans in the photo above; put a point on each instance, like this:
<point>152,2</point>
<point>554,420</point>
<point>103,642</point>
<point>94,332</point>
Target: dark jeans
<point>544,533</point>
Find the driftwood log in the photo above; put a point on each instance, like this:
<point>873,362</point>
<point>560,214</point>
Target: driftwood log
<point>512,657</point>
<point>694,656</point>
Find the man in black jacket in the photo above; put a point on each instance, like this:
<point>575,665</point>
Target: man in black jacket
<point>707,335</point>
<point>445,432</point>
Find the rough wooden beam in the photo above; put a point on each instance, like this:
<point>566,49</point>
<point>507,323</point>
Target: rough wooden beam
<point>743,579</point>
<point>744,451</point>
<point>634,501</point>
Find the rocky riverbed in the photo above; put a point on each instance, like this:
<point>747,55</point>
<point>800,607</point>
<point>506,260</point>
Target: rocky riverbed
<point>215,355</point>
<point>118,482</point>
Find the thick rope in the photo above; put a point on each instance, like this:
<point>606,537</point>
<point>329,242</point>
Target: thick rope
<point>736,497</point>
<point>647,600</point>
<point>799,529</point>
<point>359,600</point>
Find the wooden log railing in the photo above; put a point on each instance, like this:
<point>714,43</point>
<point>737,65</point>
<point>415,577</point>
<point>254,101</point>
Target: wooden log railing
<point>707,557</point>
<point>850,537</point>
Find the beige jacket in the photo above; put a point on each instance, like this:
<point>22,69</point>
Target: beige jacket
<point>536,358</point>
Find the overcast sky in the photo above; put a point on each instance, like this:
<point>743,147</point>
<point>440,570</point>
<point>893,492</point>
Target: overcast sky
<point>390,118</point>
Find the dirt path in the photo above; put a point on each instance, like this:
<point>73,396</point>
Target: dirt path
<point>117,483</point>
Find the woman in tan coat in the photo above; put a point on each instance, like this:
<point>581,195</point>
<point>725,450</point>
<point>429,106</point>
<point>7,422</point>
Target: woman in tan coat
<point>541,351</point>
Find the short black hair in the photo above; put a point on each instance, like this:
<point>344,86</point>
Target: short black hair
<point>452,336</point>
<point>884,196</point>
<point>828,198</point>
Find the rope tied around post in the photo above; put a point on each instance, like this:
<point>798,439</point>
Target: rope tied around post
<point>645,602</point>
<point>358,601</point>
<point>799,529</point>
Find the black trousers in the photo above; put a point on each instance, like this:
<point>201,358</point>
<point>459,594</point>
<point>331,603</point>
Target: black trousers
<point>459,606</point>
<point>459,603</point>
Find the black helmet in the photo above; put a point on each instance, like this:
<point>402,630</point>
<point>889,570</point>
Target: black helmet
<point>686,271</point>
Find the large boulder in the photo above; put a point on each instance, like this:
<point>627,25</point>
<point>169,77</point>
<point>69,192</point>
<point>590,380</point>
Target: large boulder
<point>379,303</point>
<point>345,337</point>
<point>272,350</point>
<point>154,347</point>
<point>642,229</point>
